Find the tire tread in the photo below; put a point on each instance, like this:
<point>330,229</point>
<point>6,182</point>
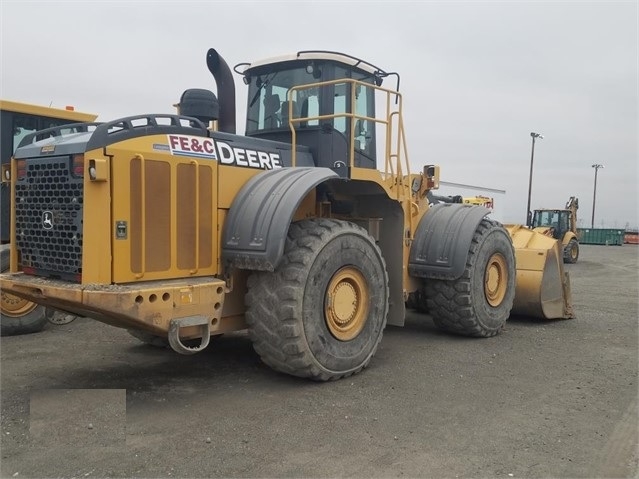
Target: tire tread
<point>272,303</point>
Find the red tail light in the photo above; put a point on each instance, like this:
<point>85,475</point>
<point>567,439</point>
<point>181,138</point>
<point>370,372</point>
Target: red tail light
<point>77,168</point>
<point>21,166</point>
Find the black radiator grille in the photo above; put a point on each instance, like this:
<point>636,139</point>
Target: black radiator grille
<point>49,202</point>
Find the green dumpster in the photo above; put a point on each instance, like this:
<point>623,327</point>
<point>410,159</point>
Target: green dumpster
<point>603,236</point>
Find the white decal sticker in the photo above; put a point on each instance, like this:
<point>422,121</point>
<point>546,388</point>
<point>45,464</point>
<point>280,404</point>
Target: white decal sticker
<point>234,155</point>
<point>186,145</point>
<point>201,147</point>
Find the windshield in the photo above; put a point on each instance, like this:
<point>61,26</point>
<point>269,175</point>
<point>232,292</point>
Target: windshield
<point>271,101</point>
<point>268,108</point>
<point>556,219</point>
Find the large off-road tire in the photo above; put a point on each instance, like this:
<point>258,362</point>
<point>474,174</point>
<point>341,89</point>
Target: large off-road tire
<point>479,302</point>
<point>321,314</point>
<point>417,301</point>
<point>17,315</point>
<point>571,251</point>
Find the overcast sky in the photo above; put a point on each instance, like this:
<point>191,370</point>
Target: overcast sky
<point>477,78</point>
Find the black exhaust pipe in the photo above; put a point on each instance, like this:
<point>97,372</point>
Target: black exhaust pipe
<point>225,90</point>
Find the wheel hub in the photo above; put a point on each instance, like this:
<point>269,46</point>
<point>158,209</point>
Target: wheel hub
<point>14,306</point>
<point>346,303</point>
<point>495,280</point>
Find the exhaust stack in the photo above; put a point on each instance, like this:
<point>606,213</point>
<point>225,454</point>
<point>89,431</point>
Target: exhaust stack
<point>225,90</point>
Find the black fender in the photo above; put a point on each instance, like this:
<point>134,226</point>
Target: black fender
<point>257,223</point>
<point>442,240</point>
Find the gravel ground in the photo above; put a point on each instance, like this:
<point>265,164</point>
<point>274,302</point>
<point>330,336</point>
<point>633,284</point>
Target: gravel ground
<point>543,399</point>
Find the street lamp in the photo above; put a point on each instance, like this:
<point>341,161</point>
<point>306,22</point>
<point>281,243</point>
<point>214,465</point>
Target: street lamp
<point>532,156</point>
<point>594,194</point>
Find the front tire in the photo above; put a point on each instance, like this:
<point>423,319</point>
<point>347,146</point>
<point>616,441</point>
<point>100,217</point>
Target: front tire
<point>571,251</point>
<point>479,302</point>
<point>321,314</point>
<point>17,315</point>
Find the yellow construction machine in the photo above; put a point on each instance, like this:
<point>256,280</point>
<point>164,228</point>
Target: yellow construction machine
<point>17,315</point>
<point>296,231</point>
<point>561,225</point>
<point>480,200</point>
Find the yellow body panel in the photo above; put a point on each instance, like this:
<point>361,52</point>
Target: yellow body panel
<point>234,179</point>
<point>97,252</point>
<point>167,204</point>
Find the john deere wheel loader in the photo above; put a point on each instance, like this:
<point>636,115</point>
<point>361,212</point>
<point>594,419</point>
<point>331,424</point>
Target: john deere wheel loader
<point>178,232</point>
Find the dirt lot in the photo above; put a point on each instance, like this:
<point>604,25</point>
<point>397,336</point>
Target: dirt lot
<point>542,399</point>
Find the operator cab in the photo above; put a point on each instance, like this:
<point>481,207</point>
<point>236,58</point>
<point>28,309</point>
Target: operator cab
<point>558,220</point>
<point>326,117</point>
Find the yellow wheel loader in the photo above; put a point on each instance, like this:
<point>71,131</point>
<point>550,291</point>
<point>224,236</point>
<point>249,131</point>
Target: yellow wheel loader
<point>561,225</point>
<point>17,315</point>
<point>298,231</point>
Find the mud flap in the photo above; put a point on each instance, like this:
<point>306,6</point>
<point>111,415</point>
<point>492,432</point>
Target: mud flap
<point>543,287</point>
<point>174,333</point>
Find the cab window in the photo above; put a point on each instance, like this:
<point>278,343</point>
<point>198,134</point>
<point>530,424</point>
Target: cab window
<point>25,124</point>
<point>269,103</point>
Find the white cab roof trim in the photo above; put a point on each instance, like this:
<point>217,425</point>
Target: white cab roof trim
<point>315,56</point>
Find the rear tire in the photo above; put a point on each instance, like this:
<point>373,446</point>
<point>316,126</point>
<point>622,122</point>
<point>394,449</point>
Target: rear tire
<point>321,314</point>
<point>571,251</point>
<point>417,301</point>
<point>479,302</point>
<point>17,315</point>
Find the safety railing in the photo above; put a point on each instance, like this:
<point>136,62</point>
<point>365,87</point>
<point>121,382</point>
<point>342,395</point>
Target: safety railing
<point>396,163</point>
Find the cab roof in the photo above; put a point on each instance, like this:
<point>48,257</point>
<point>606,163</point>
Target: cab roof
<point>325,55</point>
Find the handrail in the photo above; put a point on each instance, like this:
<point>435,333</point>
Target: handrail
<point>395,155</point>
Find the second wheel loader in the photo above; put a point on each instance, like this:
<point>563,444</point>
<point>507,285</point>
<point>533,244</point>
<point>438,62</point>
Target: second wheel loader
<point>297,231</point>
<point>561,225</point>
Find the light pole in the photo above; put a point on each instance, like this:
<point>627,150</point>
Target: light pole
<point>532,156</point>
<point>594,194</point>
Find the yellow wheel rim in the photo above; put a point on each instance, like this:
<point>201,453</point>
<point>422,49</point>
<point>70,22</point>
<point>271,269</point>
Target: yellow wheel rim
<point>14,306</point>
<point>346,303</point>
<point>496,279</point>
<point>573,252</point>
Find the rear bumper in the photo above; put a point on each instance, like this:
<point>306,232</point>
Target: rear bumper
<point>147,305</point>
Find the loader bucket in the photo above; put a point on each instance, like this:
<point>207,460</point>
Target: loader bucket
<point>542,287</point>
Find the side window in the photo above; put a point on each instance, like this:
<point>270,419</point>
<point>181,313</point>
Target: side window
<point>25,124</point>
<point>272,107</point>
<point>364,129</point>
<point>22,126</point>
<point>340,107</point>
<point>309,100</point>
